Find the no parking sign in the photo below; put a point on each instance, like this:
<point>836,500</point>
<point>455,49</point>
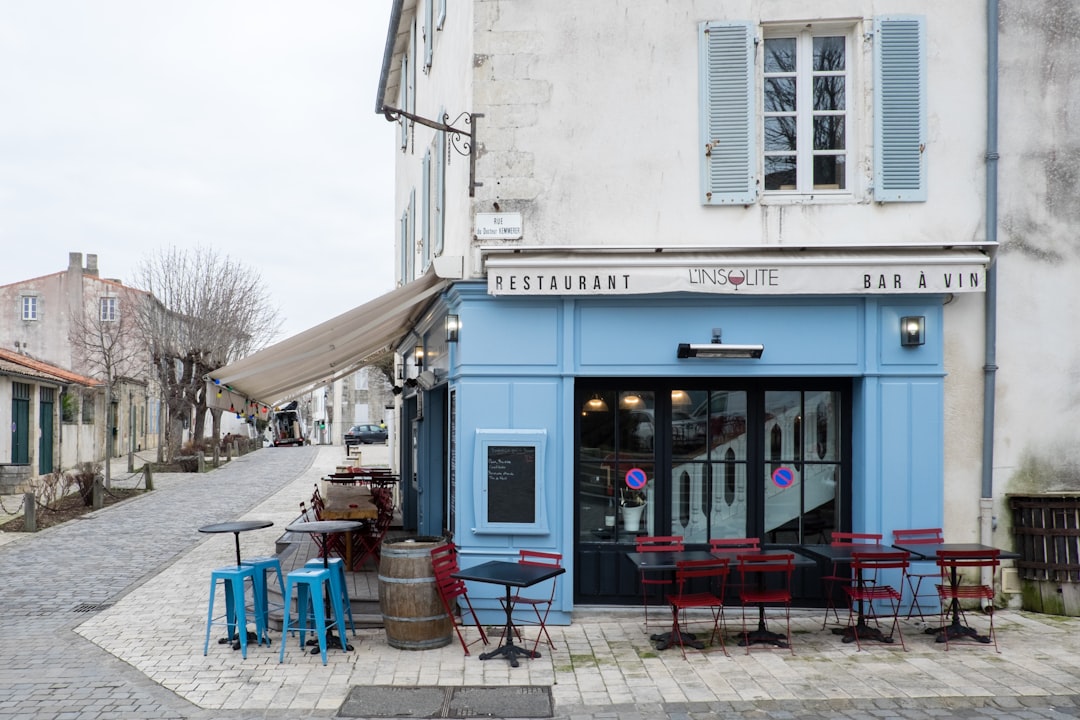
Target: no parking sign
<point>636,479</point>
<point>783,477</point>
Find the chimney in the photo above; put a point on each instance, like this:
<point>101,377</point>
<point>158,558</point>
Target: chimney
<point>74,260</point>
<point>91,264</point>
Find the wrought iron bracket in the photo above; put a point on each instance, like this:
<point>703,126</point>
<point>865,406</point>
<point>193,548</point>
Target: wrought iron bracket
<point>463,140</point>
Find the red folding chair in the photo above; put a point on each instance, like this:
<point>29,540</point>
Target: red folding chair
<point>539,559</point>
<point>837,579</point>
<point>732,548</point>
<point>862,595</point>
<point>953,589</point>
<point>714,573</point>
<point>655,578</point>
<point>766,580</point>
<point>451,590</point>
<point>918,536</point>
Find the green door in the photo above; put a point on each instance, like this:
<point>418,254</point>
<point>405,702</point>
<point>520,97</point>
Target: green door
<point>20,423</point>
<point>46,406</point>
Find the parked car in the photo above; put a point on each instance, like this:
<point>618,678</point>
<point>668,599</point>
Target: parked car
<point>364,435</point>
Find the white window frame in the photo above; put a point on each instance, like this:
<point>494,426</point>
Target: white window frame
<point>731,66</point>
<point>110,308</point>
<point>29,307</point>
<point>804,112</point>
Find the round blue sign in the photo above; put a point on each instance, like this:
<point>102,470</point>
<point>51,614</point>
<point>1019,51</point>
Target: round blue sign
<point>635,478</point>
<point>782,477</point>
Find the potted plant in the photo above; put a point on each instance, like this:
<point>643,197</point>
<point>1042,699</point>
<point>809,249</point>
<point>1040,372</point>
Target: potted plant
<point>633,504</point>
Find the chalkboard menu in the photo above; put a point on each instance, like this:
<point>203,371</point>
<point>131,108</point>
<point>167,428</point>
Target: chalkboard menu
<point>511,483</point>
<point>511,497</point>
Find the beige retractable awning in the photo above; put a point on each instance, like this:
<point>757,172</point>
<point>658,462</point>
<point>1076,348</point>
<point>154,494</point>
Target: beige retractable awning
<point>326,352</point>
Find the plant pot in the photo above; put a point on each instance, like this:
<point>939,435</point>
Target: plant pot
<point>631,517</point>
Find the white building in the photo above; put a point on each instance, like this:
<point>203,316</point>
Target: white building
<point>745,250</point>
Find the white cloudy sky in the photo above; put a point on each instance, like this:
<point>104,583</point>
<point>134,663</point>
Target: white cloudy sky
<point>249,125</point>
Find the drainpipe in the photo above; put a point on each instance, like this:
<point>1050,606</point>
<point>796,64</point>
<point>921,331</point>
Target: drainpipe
<point>986,502</point>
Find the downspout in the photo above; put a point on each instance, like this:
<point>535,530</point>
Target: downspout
<point>986,502</point>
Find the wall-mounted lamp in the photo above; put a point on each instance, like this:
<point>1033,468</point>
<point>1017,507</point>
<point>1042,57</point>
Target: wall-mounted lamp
<point>418,356</point>
<point>717,349</point>
<point>453,325</point>
<point>912,330</point>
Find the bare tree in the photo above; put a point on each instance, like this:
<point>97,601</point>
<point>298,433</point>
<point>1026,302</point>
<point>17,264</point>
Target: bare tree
<point>105,340</point>
<point>208,310</point>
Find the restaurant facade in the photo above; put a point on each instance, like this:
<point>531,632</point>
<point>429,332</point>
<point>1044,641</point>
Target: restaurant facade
<point>745,286</point>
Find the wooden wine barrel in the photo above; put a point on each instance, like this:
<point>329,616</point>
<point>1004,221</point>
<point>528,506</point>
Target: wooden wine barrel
<point>413,614</point>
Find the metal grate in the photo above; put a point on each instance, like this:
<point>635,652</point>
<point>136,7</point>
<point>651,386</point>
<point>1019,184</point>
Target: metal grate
<point>90,607</point>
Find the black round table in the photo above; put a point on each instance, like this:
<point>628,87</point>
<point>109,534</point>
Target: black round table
<point>236,527</point>
<point>324,528</point>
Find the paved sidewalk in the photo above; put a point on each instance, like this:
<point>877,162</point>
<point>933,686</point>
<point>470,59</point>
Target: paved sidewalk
<point>141,568</point>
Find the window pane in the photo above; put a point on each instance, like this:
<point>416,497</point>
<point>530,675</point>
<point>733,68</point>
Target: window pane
<point>780,172</point>
<point>780,133</point>
<point>780,55</point>
<point>829,93</point>
<point>829,172</point>
<point>829,132</point>
<point>780,94</point>
<point>828,53</point>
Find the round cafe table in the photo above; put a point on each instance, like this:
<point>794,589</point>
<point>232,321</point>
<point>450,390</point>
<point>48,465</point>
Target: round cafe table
<point>236,527</point>
<point>325,528</point>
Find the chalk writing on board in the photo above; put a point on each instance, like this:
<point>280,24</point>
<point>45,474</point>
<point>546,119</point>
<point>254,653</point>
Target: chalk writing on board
<point>511,483</point>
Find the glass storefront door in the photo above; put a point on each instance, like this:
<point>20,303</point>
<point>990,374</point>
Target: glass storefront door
<point>714,458</point>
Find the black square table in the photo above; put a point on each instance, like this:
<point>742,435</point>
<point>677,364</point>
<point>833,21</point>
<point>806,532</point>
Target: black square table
<point>844,554</point>
<point>955,629</point>
<point>509,575</point>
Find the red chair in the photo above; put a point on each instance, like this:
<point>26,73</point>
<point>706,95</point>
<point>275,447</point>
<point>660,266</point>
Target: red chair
<point>918,536</point>
<point>953,589</point>
<point>766,579</point>
<point>839,579</point>
<point>732,548</point>
<point>451,590</point>
<point>539,559</point>
<point>715,573</point>
<point>863,595</point>
<point>654,578</point>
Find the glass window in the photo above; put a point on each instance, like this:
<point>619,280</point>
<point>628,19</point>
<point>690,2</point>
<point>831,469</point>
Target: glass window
<point>110,311</point>
<point>805,113</point>
<point>29,307</point>
<point>88,408</point>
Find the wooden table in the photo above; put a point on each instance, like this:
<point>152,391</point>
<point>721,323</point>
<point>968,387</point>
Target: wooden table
<point>349,502</point>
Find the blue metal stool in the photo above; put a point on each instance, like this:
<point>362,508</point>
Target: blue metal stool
<point>235,618</point>
<point>261,605</point>
<point>337,584</point>
<point>310,585</point>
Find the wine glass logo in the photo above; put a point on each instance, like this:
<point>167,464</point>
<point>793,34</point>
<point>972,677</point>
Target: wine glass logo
<point>736,279</point>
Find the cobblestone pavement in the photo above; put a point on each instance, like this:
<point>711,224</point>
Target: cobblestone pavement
<point>105,618</point>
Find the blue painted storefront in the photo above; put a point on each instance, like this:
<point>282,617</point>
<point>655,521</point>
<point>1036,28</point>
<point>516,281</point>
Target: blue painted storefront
<point>516,361</point>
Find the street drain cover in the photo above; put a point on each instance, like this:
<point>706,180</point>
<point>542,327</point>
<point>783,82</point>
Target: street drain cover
<point>386,701</point>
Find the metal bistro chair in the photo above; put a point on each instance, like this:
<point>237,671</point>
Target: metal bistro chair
<point>953,589</point>
<point>539,559</point>
<point>766,579</point>
<point>654,578</point>
<point>732,548</point>
<point>918,536</point>
<point>861,595</point>
<point>715,572</point>
<point>837,579</point>
<point>444,563</point>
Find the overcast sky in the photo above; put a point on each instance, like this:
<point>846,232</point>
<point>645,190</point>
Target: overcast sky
<point>249,125</point>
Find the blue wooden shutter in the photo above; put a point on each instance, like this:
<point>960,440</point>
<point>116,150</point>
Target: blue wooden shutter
<point>900,108</point>
<point>440,192</point>
<point>729,163</point>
